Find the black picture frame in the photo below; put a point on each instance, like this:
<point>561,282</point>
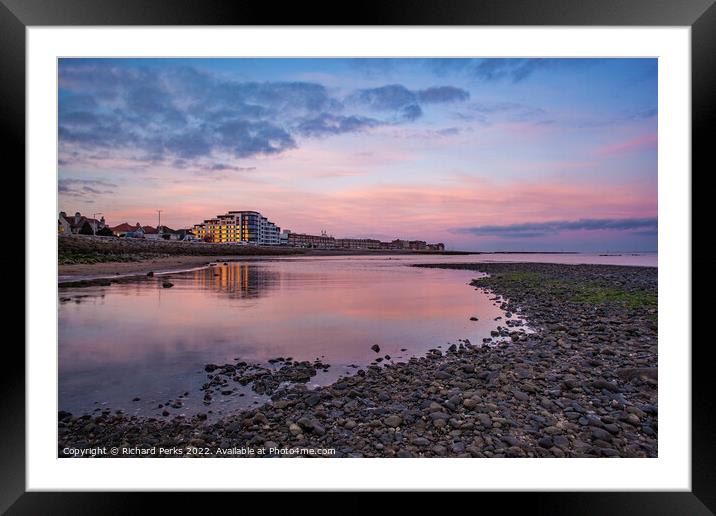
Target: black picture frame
<point>700,15</point>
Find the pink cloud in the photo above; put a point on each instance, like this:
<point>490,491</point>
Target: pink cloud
<point>648,141</point>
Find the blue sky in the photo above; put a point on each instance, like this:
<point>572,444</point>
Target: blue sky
<point>482,154</point>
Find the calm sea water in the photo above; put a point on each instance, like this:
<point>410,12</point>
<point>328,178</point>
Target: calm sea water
<point>140,340</point>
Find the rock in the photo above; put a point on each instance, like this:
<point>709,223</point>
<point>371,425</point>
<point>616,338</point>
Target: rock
<point>150,274</point>
<point>393,420</point>
<point>167,284</point>
<point>632,419</point>
<point>609,452</point>
<point>556,452</point>
<point>485,420</point>
<point>458,447</point>
<point>545,442</point>
<point>295,429</point>
<point>630,373</point>
<point>515,451</point>
<point>376,348</point>
<point>469,404</point>
<point>603,384</point>
<point>601,434</point>
<point>439,450</point>
<point>561,441</point>
<point>520,395</point>
<point>473,318</point>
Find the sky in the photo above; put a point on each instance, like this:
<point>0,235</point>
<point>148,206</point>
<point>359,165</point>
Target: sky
<point>481,154</point>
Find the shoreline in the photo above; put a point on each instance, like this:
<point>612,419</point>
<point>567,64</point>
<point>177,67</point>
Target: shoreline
<point>86,274</point>
<point>106,270</point>
<point>584,384</point>
<point>91,259</point>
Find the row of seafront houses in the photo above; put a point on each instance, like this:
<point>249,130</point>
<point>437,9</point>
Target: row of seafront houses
<point>79,224</point>
<point>237,227</point>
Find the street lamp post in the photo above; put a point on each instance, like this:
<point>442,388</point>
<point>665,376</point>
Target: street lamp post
<point>94,226</point>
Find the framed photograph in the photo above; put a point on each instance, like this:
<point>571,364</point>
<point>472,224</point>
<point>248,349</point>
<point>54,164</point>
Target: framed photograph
<point>446,249</point>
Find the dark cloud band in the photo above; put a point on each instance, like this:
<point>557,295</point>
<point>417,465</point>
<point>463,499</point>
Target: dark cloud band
<point>541,229</point>
<point>182,115</point>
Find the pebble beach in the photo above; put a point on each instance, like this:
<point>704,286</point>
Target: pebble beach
<point>576,376</point>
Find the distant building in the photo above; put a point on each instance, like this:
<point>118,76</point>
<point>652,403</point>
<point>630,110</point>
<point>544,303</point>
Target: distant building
<point>151,233</point>
<point>252,228</point>
<point>321,241</point>
<point>127,230</point>
<point>73,225</point>
<point>167,233</point>
<point>137,233</point>
<point>123,228</point>
<point>357,243</point>
<point>241,227</point>
<point>411,245</point>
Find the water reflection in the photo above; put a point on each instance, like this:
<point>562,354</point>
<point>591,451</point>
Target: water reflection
<point>237,280</point>
<point>137,339</point>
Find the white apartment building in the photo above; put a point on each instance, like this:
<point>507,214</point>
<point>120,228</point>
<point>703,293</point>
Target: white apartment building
<point>241,227</point>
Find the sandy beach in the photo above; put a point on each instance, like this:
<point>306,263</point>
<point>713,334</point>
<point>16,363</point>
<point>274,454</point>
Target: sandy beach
<point>108,269</point>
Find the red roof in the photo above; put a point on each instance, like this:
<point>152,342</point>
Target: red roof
<point>123,228</point>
